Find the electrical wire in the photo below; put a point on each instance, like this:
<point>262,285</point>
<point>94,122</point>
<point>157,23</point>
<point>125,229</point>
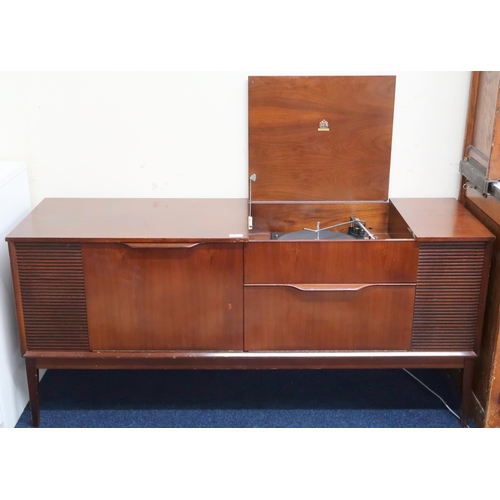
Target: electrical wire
<point>430,390</point>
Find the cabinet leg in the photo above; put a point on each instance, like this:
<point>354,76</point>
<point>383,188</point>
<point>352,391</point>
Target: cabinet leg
<point>33,382</point>
<point>466,409</point>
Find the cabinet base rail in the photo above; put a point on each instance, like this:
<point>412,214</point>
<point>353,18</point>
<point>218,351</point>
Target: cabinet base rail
<point>240,360</point>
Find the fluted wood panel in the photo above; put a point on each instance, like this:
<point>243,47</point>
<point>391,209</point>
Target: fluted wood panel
<point>447,295</point>
<point>53,296</point>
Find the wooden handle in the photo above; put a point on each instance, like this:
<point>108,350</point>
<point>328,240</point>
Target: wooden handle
<point>327,287</point>
<point>320,287</point>
<point>161,245</point>
<point>306,287</point>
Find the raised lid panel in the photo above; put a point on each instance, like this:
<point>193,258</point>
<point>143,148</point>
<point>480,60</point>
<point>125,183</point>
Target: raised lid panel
<point>295,161</point>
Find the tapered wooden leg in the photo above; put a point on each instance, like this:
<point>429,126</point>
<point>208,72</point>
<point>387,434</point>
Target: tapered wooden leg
<point>33,382</point>
<point>466,410</point>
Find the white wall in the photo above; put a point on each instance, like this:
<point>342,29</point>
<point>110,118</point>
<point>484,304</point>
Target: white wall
<point>14,206</point>
<point>184,134</point>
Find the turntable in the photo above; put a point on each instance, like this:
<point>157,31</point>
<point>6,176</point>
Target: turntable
<point>357,229</point>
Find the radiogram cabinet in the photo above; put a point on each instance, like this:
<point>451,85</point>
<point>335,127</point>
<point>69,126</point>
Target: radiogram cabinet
<point>110,283</point>
<point>316,269</point>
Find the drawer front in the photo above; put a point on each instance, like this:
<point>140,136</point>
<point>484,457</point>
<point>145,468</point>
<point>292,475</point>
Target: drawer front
<point>333,317</point>
<point>364,261</point>
<point>144,298</point>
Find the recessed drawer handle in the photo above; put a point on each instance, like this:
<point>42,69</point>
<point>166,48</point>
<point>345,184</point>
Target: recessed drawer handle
<point>161,245</point>
<point>327,287</point>
<point>318,287</point>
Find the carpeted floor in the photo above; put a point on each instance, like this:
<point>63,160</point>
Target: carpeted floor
<point>246,398</point>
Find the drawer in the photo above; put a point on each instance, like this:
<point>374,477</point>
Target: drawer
<point>363,261</point>
<point>328,317</point>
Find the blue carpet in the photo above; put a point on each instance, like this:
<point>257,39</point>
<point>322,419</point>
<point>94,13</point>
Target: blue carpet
<point>245,399</point>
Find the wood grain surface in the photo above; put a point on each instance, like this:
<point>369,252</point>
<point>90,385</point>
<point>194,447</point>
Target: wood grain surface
<point>438,219</point>
<point>362,261</point>
<point>486,129</point>
<point>135,219</point>
<point>240,360</point>
<point>287,217</point>
<point>487,368</point>
<point>294,161</point>
<point>164,299</point>
<point>370,318</point>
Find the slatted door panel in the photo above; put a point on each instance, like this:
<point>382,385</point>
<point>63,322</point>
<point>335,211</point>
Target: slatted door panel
<point>53,296</point>
<point>447,296</point>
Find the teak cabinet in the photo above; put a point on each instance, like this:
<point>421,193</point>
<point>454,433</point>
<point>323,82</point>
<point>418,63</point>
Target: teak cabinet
<point>202,283</point>
<point>103,301</point>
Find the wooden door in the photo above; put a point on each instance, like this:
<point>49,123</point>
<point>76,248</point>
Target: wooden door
<point>482,142</point>
<point>189,297</point>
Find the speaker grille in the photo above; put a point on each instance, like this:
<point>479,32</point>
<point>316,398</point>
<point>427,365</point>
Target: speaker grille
<point>53,296</point>
<point>447,296</point>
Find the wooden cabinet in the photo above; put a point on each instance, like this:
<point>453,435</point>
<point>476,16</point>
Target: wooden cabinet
<point>233,302</point>
<point>113,283</point>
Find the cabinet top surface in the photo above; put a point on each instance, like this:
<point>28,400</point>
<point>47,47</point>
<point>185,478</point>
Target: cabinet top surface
<point>136,219</point>
<point>440,218</point>
<point>207,219</point>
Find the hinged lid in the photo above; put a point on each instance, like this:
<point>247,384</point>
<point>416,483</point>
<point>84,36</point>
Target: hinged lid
<point>320,138</point>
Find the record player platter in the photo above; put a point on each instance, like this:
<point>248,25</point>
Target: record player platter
<point>357,230</point>
<point>313,235</point>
